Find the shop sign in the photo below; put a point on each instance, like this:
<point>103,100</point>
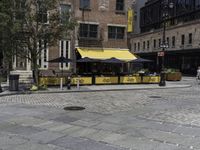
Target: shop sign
<point>161,54</point>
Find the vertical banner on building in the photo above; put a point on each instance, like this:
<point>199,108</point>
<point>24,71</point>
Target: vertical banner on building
<point>130,20</point>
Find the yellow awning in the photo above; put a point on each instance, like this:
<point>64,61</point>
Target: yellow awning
<point>122,54</point>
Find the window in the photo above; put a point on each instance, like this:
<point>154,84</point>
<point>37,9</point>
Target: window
<point>182,39</point>
<point>190,38</point>
<point>167,42</point>
<point>135,47</point>
<point>120,5</point>
<point>44,54</point>
<point>159,42</point>
<point>20,9</point>
<point>148,44</point>
<point>154,43</point>
<point>64,11</point>
<point>84,4</point>
<point>42,12</point>
<point>64,50</point>
<point>138,46</point>
<point>116,32</point>
<point>173,41</point>
<point>88,30</point>
<point>144,45</point>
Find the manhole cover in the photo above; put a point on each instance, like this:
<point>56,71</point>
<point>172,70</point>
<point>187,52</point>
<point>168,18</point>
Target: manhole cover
<point>74,108</point>
<point>155,97</point>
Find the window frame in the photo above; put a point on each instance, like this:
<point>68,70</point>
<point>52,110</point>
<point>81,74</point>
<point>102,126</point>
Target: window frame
<point>64,50</point>
<point>115,33</point>
<point>88,30</point>
<point>120,3</point>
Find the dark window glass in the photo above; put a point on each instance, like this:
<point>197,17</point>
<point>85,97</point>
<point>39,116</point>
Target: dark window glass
<point>173,41</point>
<point>190,38</point>
<point>84,4</point>
<point>159,42</point>
<point>88,30</point>
<point>183,39</point>
<point>42,12</point>
<point>147,44</point>
<point>138,46</point>
<point>20,9</point>
<point>144,45</point>
<point>135,46</point>
<point>116,32</point>
<point>167,42</point>
<point>120,5</point>
<point>154,43</point>
<point>65,9</point>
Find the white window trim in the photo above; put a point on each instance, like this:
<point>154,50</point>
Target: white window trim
<point>64,53</point>
<point>42,57</point>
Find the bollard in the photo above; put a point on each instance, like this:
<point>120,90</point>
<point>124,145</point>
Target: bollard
<point>69,83</point>
<point>61,83</point>
<point>78,83</point>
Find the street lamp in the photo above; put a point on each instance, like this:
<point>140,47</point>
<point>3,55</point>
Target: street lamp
<point>164,45</point>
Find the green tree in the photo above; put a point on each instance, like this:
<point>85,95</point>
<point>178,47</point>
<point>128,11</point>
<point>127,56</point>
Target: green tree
<point>36,21</point>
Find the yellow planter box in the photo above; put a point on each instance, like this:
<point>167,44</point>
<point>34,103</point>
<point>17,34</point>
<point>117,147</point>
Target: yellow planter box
<point>176,76</point>
<point>151,79</point>
<point>133,79</point>
<point>82,80</point>
<point>50,80</point>
<point>106,80</point>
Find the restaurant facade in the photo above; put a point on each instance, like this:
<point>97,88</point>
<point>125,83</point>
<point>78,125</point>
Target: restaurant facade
<point>182,35</point>
<point>101,34</point>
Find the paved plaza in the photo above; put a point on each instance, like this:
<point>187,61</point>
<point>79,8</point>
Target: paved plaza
<point>149,119</point>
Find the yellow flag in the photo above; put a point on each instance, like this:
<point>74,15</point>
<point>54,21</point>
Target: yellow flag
<point>130,20</point>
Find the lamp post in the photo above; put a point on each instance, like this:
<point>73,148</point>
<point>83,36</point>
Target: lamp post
<point>164,45</point>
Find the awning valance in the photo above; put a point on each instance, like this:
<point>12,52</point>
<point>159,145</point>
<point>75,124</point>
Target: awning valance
<point>122,54</point>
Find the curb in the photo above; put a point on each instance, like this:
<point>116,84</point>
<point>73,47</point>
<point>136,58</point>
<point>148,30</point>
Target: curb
<point>89,90</point>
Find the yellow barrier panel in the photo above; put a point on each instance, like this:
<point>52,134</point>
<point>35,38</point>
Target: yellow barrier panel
<point>50,80</point>
<point>133,79</point>
<point>151,79</point>
<point>106,80</point>
<point>82,80</point>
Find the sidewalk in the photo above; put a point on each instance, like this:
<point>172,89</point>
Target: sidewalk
<point>184,83</point>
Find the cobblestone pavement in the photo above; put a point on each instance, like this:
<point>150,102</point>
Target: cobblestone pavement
<point>156,119</point>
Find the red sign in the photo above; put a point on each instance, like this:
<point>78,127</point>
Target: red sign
<point>161,54</point>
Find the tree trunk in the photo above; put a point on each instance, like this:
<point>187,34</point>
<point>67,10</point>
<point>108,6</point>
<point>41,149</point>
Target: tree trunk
<point>35,71</point>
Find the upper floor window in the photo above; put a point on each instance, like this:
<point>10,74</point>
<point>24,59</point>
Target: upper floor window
<point>148,44</point>
<point>120,5</point>
<point>138,46</point>
<point>88,30</point>
<point>42,12</point>
<point>19,9</point>
<point>159,42</point>
<point>182,39</point>
<point>144,45</point>
<point>64,11</point>
<point>116,32</point>
<point>154,43</point>
<point>167,42</point>
<point>84,4</point>
<point>173,41</point>
<point>135,47</point>
<point>190,38</point>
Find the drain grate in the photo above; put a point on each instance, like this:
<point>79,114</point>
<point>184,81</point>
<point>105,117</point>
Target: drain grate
<point>74,108</point>
<point>155,97</point>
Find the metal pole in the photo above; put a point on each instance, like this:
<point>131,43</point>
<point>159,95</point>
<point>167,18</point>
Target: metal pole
<point>162,74</point>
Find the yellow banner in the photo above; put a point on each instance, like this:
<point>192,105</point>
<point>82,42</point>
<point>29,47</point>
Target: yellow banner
<point>130,20</point>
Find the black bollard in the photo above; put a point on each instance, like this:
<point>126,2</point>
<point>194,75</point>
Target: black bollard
<point>68,83</point>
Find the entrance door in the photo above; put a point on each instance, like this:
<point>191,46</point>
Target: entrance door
<point>21,63</point>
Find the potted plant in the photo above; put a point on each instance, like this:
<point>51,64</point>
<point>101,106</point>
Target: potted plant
<point>173,74</point>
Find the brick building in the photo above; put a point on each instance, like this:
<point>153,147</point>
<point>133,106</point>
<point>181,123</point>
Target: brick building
<point>182,35</point>
<point>102,24</point>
